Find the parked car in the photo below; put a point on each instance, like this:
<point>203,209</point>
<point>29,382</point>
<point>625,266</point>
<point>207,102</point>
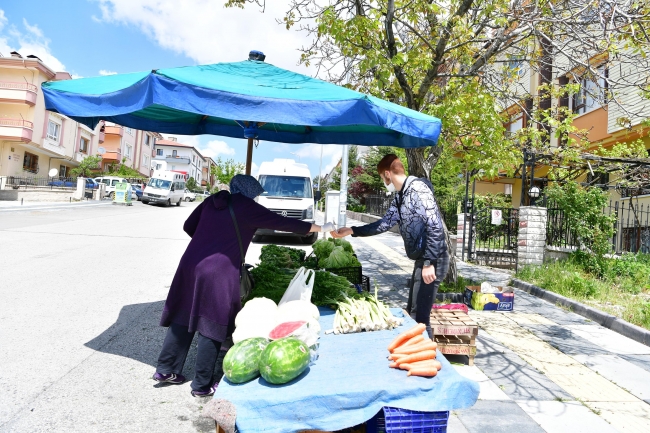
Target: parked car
<point>110,182</point>
<point>69,183</point>
<point>189,195</point>
<point>138,192</point>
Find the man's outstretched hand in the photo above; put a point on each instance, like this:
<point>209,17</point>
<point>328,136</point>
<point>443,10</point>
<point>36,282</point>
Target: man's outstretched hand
<point>341,233</point>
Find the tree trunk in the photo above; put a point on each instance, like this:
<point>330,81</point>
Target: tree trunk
<point>421,166</point>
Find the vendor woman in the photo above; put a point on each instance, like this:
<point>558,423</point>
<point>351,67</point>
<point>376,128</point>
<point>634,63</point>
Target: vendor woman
<point>204,294</point>
<point>415,209</point>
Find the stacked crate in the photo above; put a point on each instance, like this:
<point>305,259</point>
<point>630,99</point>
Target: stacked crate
<point>455,332</point>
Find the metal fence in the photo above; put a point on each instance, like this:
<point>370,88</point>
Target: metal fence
<point>493,237</point>
<point>17,182</point>
<point>631,227</point>
<point>378,204</point>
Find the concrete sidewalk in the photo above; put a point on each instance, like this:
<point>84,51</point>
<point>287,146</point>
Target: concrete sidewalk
<point>540,368</point>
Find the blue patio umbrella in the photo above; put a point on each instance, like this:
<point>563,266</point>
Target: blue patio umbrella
<point>250,99</point>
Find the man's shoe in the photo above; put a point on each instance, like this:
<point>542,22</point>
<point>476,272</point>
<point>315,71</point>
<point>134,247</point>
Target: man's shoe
<point>208,393</point>
<point>175,379</point>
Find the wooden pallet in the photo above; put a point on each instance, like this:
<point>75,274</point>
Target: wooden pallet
<point>456,345</point>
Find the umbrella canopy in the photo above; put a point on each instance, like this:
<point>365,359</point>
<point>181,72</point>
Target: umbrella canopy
<point>249,99</point>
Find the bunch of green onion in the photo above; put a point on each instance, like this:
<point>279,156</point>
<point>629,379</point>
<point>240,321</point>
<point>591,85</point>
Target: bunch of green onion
<point>365,314</point>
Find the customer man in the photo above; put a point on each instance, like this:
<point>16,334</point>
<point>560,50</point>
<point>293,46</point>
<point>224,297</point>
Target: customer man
<point>415,209</point>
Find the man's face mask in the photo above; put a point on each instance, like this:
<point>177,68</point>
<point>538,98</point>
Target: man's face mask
<point>390,187</point>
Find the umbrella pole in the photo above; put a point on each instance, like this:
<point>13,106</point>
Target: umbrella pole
<point>249,156</point>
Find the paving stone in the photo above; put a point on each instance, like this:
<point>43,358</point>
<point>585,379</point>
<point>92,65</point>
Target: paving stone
<point>619,371</point>
<point>513,375</point>
<point>497,417</point>
<point>642,361</point>
<point>454,425</point>
<point>565,340</point>
<point>489,389</point>
<point>629,417</point>
<point>586,385</point>
<point>565,417</point>
<point>610,340</point>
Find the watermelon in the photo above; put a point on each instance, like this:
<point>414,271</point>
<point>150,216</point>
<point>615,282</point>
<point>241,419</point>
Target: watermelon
<point>241,363</point>
<point>283,360</point>
<point>285,329</point>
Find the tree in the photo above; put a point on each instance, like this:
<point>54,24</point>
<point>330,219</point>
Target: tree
<point>191,184</point>
<point>460,60</point>
<point>353,158</point>
<point>86,166</point>
<point>123,170</point>
<point>224,171</point>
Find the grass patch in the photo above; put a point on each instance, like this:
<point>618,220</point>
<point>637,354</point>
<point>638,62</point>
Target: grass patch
<point>618,286</point>
<point>459,287</point>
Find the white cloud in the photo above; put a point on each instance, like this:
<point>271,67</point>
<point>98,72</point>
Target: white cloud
<point>215,148</point>
<point>331,154</point>
<point>104,72</point>
<point>31,40</point>
<point>255,169</point>
<point>207,32</point>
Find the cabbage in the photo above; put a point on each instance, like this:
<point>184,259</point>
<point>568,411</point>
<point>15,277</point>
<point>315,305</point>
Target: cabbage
<point>323,248</point>
<point>256,310</point>
<point>347,246</point>
<point>339,259</point>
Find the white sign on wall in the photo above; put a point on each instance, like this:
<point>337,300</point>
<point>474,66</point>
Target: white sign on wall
<point>497,217</point>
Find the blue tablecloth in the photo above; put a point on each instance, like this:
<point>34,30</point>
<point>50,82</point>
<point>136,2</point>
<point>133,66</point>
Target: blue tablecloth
<point>348,384</point>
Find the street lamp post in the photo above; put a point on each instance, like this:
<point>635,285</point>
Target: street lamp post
<point>533,193</point>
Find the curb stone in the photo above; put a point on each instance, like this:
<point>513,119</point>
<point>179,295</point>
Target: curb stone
<point>609,321</point>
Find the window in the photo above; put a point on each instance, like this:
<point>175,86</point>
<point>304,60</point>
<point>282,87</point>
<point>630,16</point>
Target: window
<point>128,151</point>
<point>286,186</point>
<point>592,93</point>
<point>147,139</point>
<point>145,161</point>
<point>129,131</point>
<point>63,171</point>
<point>30,163</point>
<point>516,64</point>
<point>159,152</point>
<point>515,124</point>
<point>193,158</point>
<point>174,153</point>
<point>53,131</point>
<point>83,145</point>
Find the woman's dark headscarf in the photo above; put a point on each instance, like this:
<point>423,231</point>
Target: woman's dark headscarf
<point>245,185</point>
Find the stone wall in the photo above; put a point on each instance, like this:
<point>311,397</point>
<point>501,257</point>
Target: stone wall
<point>460,229</point>
<point>32,196</point>
<point>531,243</point>
<point>367,218</point>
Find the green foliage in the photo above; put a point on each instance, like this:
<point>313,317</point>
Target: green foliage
<point>583,210</point>
<point>226,170</point>
<point>122,170</point>
<point>192,185</point>
<point>323,248</point>
<point>610,284</point>
<point>282,257</point>
<point>87,166</point>
<point>353,161</point>
<point>457,287</point>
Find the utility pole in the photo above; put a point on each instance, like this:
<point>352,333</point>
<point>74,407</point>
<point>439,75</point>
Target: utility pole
<point>343,198</point>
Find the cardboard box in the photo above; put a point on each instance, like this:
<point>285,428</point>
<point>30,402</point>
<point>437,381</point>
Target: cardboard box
<point>502,301</point>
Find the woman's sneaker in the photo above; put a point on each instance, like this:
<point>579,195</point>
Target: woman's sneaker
<point>175,379</point>
<point>208,393</point>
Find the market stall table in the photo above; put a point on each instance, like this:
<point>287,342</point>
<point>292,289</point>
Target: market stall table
<point>348,385</point>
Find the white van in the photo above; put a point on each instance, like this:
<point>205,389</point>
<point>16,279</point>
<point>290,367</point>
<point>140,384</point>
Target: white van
<point>110,182</point>
<point>288,192</point>
<point>165,187</point>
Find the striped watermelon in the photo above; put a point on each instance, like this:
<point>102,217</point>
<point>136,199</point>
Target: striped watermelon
<point>241,363</point>
<point>283,360</point>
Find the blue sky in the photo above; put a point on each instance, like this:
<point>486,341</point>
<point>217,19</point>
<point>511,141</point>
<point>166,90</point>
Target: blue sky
<point>93,37</point>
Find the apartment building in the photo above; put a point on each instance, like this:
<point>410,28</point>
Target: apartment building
<point>208,179</point>
<point>133,146</point>
<point>33,140</point>
<point>606,121</point>
<point>180,157</point>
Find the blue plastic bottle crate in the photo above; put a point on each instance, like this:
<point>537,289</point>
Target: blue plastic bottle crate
<point>394,420</point>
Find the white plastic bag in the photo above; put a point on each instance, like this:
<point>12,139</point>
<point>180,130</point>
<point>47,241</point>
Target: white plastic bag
<point>300,287</point>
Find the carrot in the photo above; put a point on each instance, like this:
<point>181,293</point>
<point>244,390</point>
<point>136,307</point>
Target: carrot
<point>404,366</point>
<point>420,364</point>
<point>417,339</point>
<point>396,356</point>
<point>420,356</point>
<point>416,348</point>
<point>407,335</point>
<point>425,372</point>
<point>393,365</point>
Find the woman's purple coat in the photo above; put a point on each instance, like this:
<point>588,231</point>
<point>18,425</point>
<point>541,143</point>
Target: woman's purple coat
<point>204,295</point>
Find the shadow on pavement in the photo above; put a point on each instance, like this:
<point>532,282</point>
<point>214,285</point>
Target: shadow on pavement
<point>137,335</point>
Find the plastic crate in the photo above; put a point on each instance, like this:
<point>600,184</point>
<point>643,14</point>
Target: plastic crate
<point>354,274</point>
<point>364,286</point>
<point>392,419</point>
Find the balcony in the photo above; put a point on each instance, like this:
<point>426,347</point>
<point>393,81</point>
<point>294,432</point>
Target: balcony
<point>18,93</point>
<point>112,155</point>
<point>173,159</point>
<point>16,130</point>
<point>114,130</point>
<point>102,137</point>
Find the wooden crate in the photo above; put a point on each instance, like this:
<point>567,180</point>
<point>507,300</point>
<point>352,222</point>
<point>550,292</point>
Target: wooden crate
<point>456,345</point>
<point>453,322</point>
<point>455,332</point>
